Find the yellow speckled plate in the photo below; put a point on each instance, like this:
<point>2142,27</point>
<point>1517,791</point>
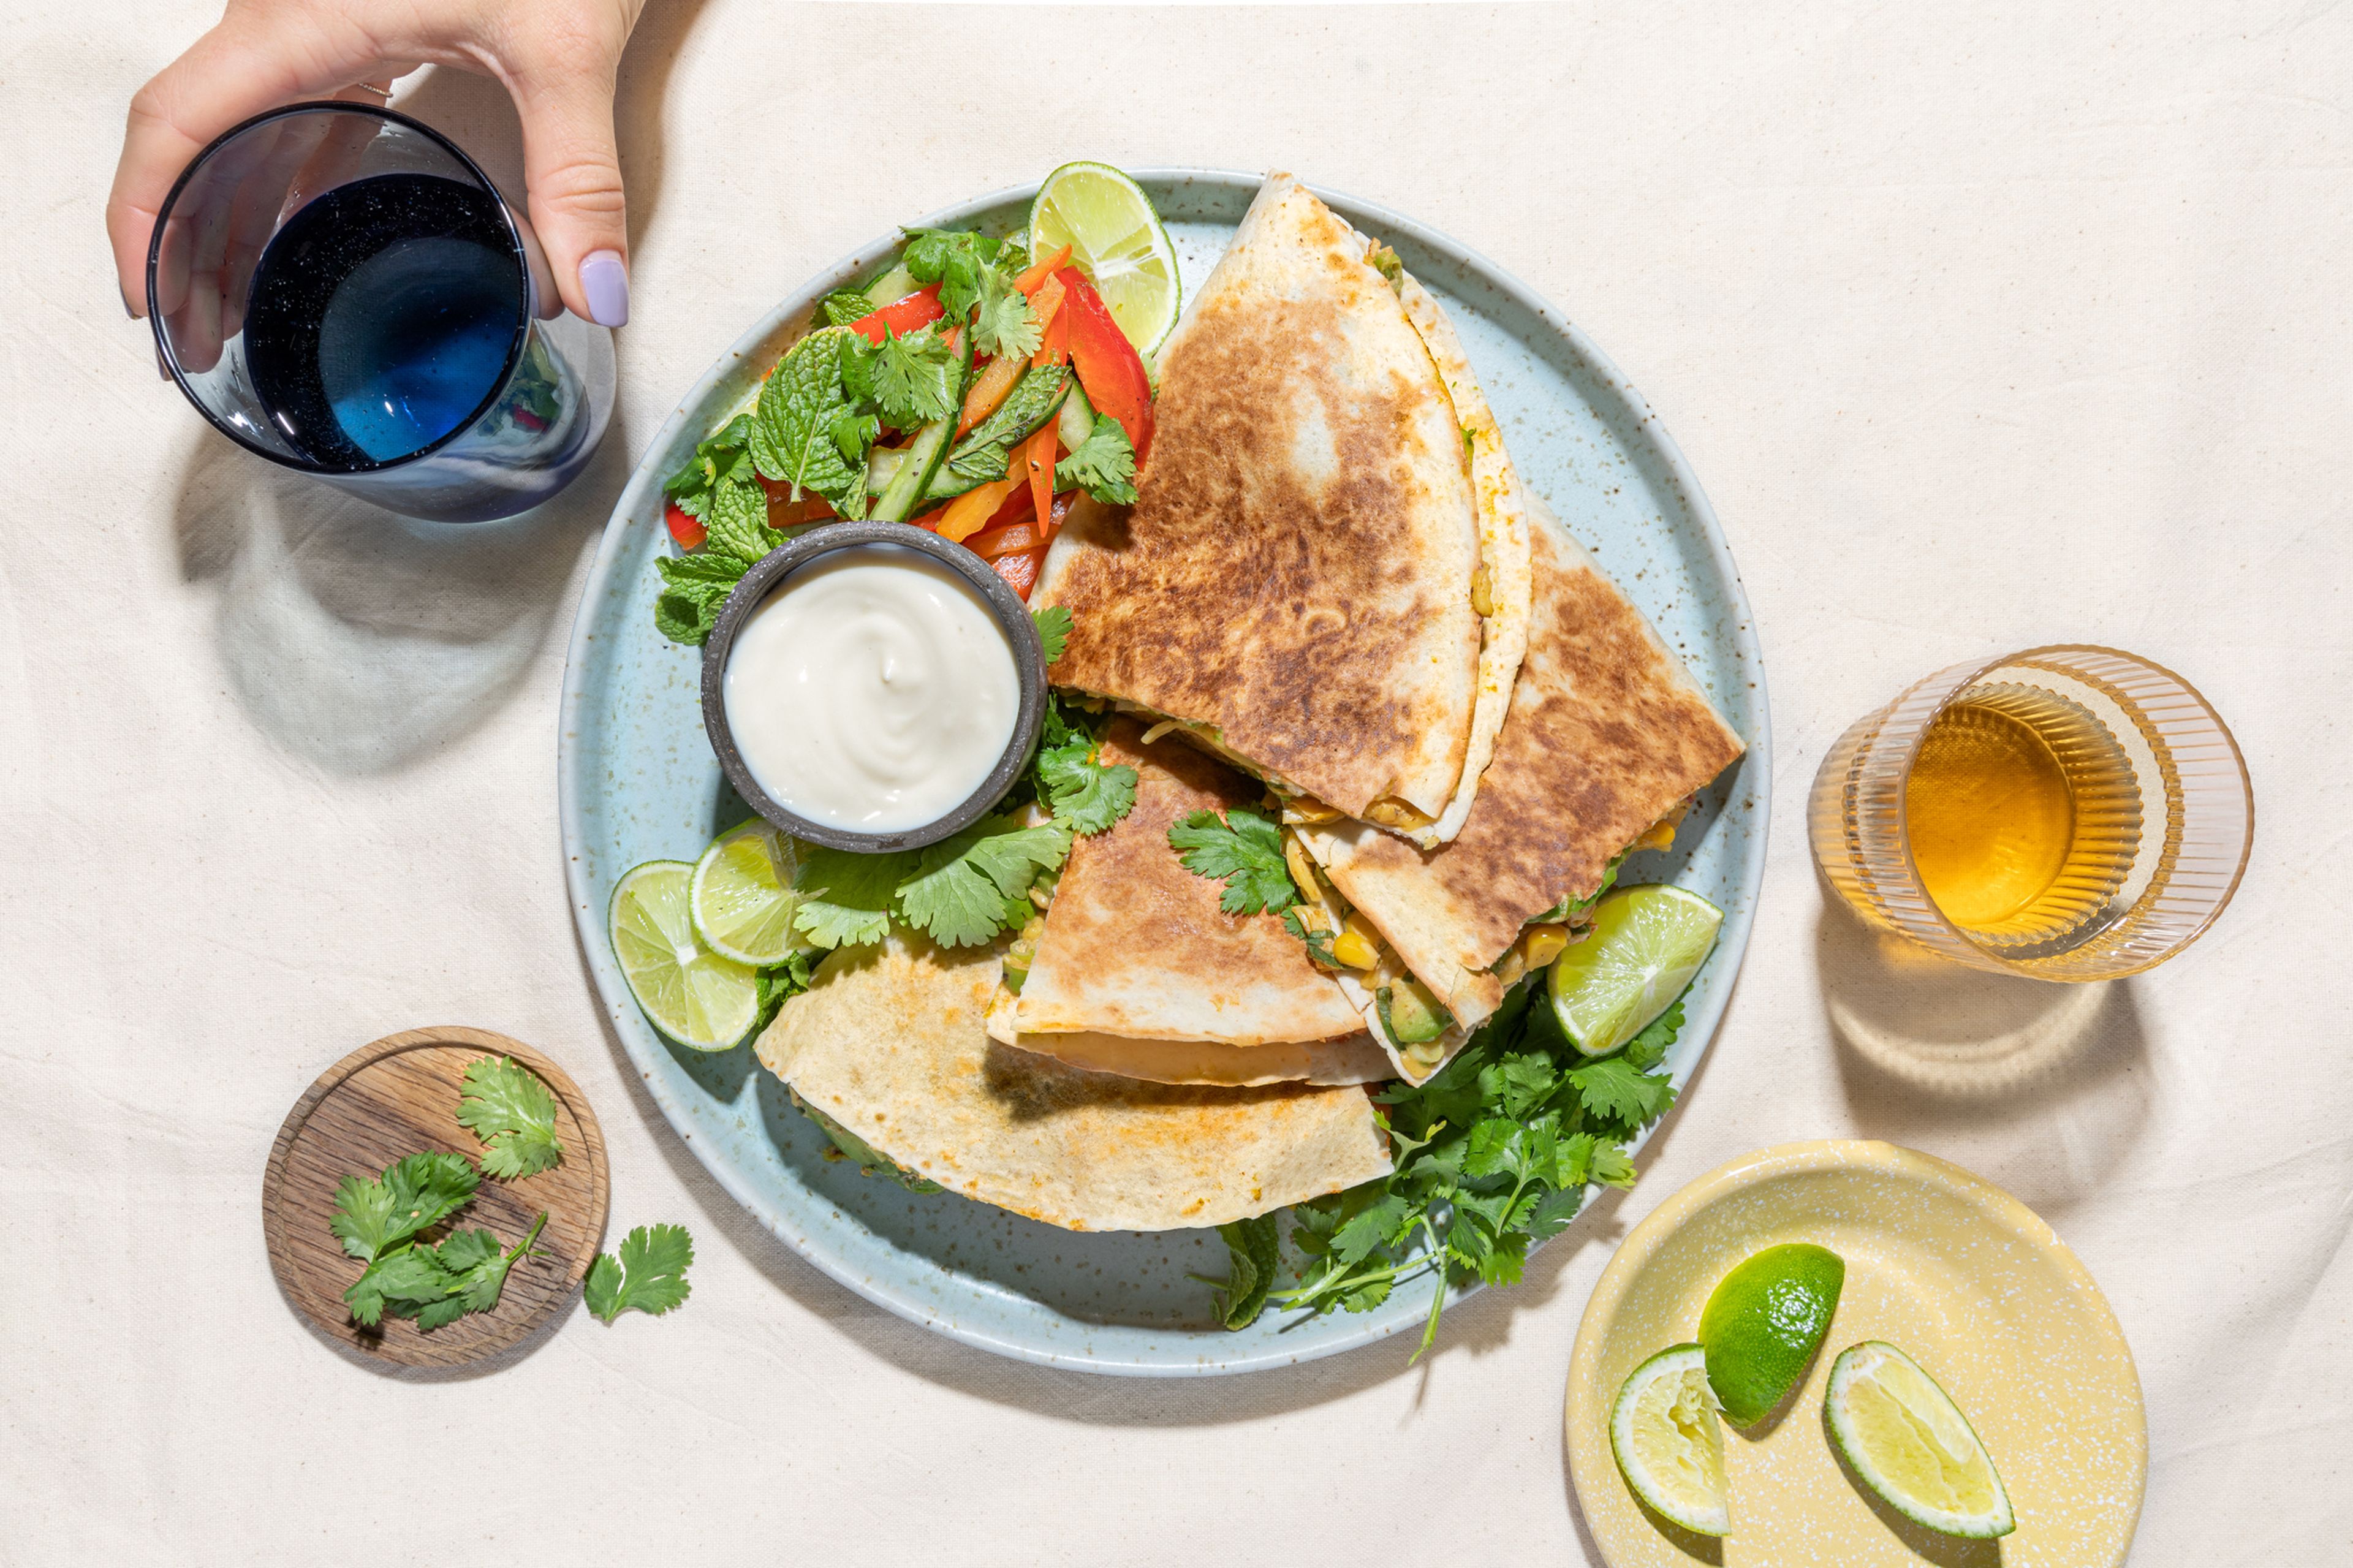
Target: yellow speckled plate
<point>1951,1268</point>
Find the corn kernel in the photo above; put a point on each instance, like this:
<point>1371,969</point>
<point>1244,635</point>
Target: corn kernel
<point>1542,944</point>
<point>1354,951</point>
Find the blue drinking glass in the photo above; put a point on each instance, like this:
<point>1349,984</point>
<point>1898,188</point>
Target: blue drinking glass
<point>341,290</point>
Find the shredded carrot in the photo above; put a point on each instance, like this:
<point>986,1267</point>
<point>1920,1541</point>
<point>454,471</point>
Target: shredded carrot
<point>989,389</point>
<point>1029,281</point>
<point>1038,455</point>
<point>1054,342</point>
<point>966,514</point>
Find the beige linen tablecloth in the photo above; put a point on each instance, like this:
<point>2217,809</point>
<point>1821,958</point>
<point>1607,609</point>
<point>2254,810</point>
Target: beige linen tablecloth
<point>1984,326</point>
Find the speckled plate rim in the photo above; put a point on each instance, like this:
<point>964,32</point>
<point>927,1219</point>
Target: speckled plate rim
<point>572,783</point>
<point>1586,1405</point>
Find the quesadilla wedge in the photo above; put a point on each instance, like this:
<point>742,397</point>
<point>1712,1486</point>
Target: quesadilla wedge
<point>1299,582</point>
<point>887,1043</point>
<point>1133,945</point>
<point>1607,737</point>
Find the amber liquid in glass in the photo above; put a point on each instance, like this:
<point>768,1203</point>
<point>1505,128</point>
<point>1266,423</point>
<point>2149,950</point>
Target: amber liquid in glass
<point>2022,814</point>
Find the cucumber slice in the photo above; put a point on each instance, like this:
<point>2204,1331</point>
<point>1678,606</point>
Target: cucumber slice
<point>917,464</point>
<point>1037,397</point>
<point>1077,419</point>
<point>891,287</point>
<point>882,466</point>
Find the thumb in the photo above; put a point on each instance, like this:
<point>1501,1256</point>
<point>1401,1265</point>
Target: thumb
<point>572,174</point>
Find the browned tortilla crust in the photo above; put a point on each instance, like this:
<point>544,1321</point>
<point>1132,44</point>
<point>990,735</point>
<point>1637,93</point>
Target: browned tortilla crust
<point>1269,580</point>
<point>1136,944</point>
<point>1605,734</point>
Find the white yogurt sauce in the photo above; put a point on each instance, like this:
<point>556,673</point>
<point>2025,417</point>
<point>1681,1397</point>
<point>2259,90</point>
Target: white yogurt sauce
<point>872,690</point>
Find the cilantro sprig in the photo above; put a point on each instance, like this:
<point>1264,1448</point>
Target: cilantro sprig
<point>505,1105</point>
<point>1492,1155</point>
<point>648,1274</point>
<point>1241,849</point>
<point>1103,465</point>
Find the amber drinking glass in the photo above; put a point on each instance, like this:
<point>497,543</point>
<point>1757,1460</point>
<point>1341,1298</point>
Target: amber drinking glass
<point>2067,813</point>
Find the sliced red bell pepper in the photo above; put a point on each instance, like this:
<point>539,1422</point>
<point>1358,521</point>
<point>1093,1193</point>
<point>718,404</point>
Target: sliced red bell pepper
<point>1021,571</point>
<point>1009,540</point>
<point>688,531</point>
<point>1037,454</point>
<point>901,316</point>
<point>1108,365</point>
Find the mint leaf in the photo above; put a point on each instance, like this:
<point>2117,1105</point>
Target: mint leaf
<point>1103,465</point>
<point>959,893</point>
<point>1242,849</point>
<point>1053,629</point>
<point>848,896</point>
<point>696,587</point>
<point>505,1105</point>
<point>717,458</point>
<point>844,306</point>
<point>985,454</point>
<point>792,435</point>
<point>648,1274</point>
<point>738,521</point>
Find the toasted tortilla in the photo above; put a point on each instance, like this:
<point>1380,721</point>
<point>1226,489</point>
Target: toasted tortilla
<point>1352,1058</point>
<point>1136,946</point>
<point>1502,556</point>
<point>888,1041</point>
<point>1296,572</point>
<point>1607,733</point>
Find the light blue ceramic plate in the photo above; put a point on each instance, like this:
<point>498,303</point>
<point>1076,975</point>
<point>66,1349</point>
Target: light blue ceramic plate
<point>640,782</point>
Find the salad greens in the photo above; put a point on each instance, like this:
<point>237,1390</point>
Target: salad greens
<point>1494,1153</point>
<point>971,887</point>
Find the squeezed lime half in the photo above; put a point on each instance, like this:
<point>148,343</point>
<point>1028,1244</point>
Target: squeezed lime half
<point>1663,1433</point>
<point>702,1001</point>
<point>1645,946</point>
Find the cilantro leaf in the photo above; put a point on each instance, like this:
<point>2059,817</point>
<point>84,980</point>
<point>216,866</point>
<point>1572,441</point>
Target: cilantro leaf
<point>1253,1250</point>
<point>1053,629</point>
<point>1242,849</point>
<point>376,1215</point>
<point>913,377</point>
<point>1004,324</point>
<point>505,1105</point>
<point>648,1274</point>
<point>1080,787</point>
<point>792,435</point>
<point>955,260</point>
<point>402,1282</point>
<point>477,1267</point>
<point>847,897</point>
<point>778,985</point>
<point>1649,1048</point>
<point>1103,465</point>
<point>959,891</point>
<point>1319,943</point>
<point>1614,1090</point>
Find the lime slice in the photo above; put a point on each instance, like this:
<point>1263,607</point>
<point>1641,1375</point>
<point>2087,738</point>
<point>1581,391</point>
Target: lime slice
<point>1662,1430</point>
<point>743,900</point>
<point>1911,1444</point>
<point>1763,1323</point>
<point>1116,239</point>
<point>702,1001</point>
<point>1646,944</point>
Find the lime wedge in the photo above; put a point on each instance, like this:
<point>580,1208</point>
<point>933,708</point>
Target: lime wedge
<point>1646,944</point>
<point>702,1001</point>
<point>743,900</point>
<point>1116,240</point>
<point>1764,1321</point>
<point>1662,1430</point>
<point>1911,1444</point>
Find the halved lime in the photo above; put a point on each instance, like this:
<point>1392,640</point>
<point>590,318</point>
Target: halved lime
<point>1764,1321</point>
<point>1116,239</point>
<point>1911,1444</point>
<point>1663,1432</point>
<point>742,899</point>
<point>702,1001</point>
<point>1647,943</point>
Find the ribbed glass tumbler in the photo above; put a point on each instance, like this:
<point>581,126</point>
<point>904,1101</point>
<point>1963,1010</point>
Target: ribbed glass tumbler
<point>2066,813</point>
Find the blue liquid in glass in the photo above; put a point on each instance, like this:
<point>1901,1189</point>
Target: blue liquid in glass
<point>381,317</point>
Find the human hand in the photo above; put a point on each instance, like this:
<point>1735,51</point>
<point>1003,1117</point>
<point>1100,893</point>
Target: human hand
<point>557,58</point>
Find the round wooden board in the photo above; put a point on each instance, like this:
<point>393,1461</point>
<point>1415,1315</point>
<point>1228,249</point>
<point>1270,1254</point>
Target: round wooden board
<point>399,1097</point>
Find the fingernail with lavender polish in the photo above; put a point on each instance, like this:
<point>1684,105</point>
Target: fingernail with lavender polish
<point>605,281</point>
